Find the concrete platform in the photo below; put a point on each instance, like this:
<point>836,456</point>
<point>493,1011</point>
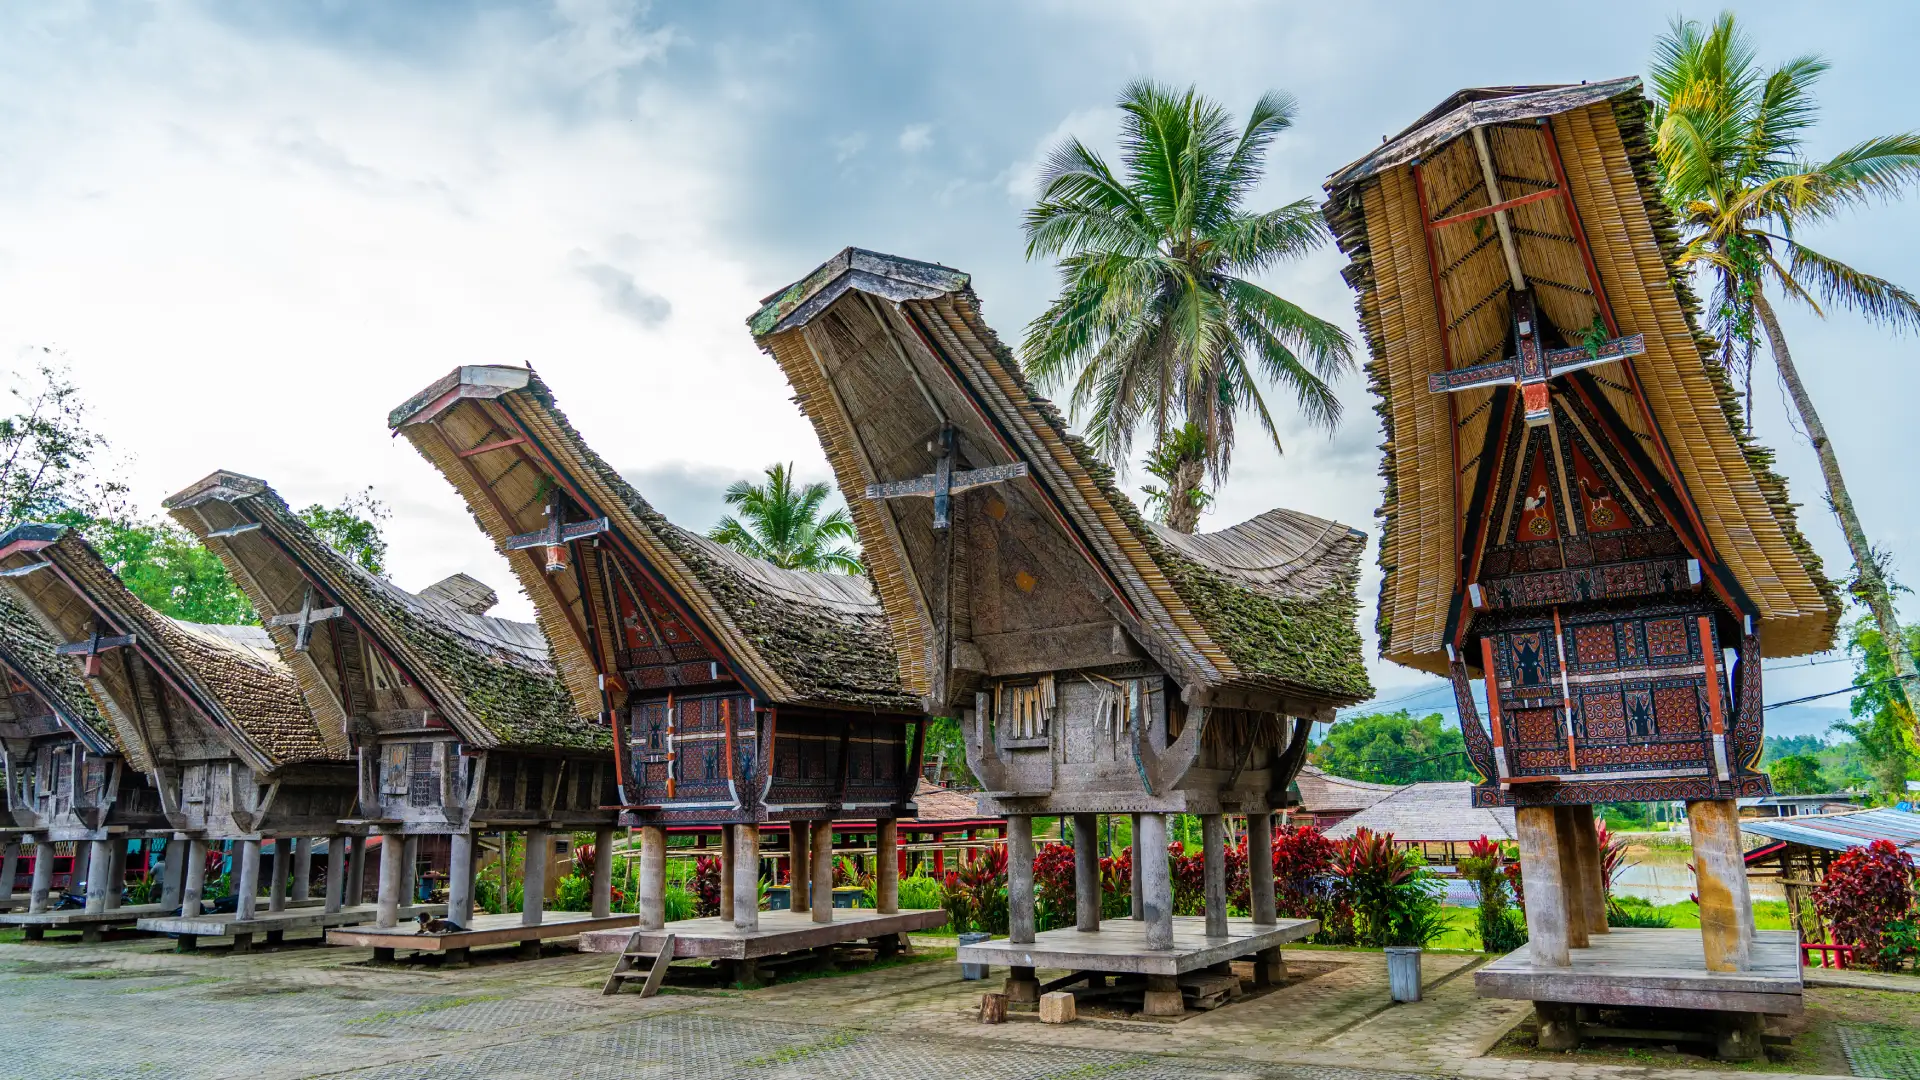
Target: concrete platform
<point>273,925</point>
<point>1657,968</point>
<point>780,933</point>
<point>1119,947</point>
<point>91,924</point>
<point>486,930</point>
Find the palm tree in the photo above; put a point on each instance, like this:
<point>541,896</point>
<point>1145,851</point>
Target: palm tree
<point>1730,148</point>
<point>1157,319</point>
<point>783,525</point>
<point>1179,462</point>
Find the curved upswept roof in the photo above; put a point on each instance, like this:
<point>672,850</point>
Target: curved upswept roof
<point>26,649</point>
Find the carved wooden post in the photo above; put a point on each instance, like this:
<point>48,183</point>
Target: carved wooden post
<point>1592,878</point>
<point>40,893</point>
<point>727,848</point>
<point>282,866</point>
<point>460,878</point>
<point>336,874</point>
<point>822,867</point>
<point>1136,909</point>
<point>1538,831</point>
<point>392,880</point>
<point>603,871</point>
<point>1086,872</point>
<point>99,869</point>
<point>302,869</point>
<point>195,886</point>
<point>9,867</point>
<point>1726,910</point>
<point>1213,853</point>
<point>886,867</point>
<point>1156,886</point>
<point>1260,869</point>
<point>746,877</point>
<point>799,863</point>
<point>1573,889</point>
<point>246,880</point>
<point>1020,879</point>
<point>653,877</point>
<point>533,877</point>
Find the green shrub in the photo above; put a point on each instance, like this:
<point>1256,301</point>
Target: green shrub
<point>1502,929</point>
<point>1632,911</point>
<point>574,893</point>
<point>1395,897</point>
<point>680,904</point>
<point>919,892</point>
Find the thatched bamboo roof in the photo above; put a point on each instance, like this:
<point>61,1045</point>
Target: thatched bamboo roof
<point>792,637</point>
<point>27,652</point>
<point>227,676</point>
<point>1598,244</point>
<point>491,679</point>
<point>883,350</point>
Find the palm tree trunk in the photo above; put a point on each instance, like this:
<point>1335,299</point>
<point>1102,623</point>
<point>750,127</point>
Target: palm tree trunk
<point>1183,506</point>
<point>1870,585</point>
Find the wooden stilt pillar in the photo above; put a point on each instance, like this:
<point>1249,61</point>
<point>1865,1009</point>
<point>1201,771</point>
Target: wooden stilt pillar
<point>1156,885</point>
<point>410,886</point>
<point>99,869</point>
<point>1136,909</point>
<point>174,879</point>
<point>282,868</point>
<point>886,867</point>
<point>653,877</point>
<point>116,882</point>
<point>821,863</point>
<point>9,867</point>
<point>336,873</point>
<point>1260,869</point>
<point>746,877</point>
<point>1213,854</point>
<point>603,872</point>
<point>1720,873</point>
<point>40,892</point>
<point>246,880</point>
<point>81,871</point>
<point>726,872</point>
<point>302,869</point>
<point>1020,879</point>
<point>1539,838</point>
<point>1086,872</point>
<point>1592,880</point>
<point>799,865</point>
<point>195,886</point>
<point>533,875</point>
<point>460,878</point>
<point>392,880</point>
<point>1575,890</point>
<point>356,881</point>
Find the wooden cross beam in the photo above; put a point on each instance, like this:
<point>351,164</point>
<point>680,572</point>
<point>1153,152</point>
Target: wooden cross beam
<point>91,649</point>
<point>1532,366</point>
<point>943,482</point>
<point>302,621</point>
<point>556,536</point>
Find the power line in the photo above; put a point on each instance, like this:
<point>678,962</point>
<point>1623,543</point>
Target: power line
<point>1844,690</point>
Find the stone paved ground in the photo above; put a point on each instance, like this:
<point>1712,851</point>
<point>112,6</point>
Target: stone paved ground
<point>133,1009</point>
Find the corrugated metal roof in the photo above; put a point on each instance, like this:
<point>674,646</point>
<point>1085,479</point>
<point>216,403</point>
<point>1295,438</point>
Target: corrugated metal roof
<point>1838,832</point>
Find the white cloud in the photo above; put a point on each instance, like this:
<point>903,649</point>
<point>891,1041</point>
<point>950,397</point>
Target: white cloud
<point>847,147</point>
<point>915,138</point>
<point>1098,128</point>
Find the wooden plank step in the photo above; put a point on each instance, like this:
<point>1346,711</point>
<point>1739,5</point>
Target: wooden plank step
<point>627,967</point>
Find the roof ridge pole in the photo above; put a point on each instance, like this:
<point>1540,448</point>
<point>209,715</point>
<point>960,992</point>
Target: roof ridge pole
<point>1500,221</point>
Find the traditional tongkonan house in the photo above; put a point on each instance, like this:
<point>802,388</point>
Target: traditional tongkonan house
<point>1099,664</point>
<point>1576,521</point>
<point>209,713</point>
<point>738,692</point>
<point>455,721</point>
<point>66,779</point>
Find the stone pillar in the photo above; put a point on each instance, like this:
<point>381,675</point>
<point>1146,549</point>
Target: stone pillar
<point>1539,841</point>
<point>533,875</point>
<point>1260,869</point>
<point>9,867</point>
<point>886,867</point>
<point>40,893</point>
<point>1720,873</point>
<point>1156,883</point>
<point>1559,1021</point>
<point>82,870</point>
<point>602,871</point>
<point>746,877</point>
<point>1213,853</point>
<point>1086,872</point>
<point>1020,879</point>
<point>99,869</point>
<point>175,876</point>
<point>1592,879</point>
<point>246,880</point>
<point>355,885</point>
<point>460,878</point>
<point>392,880</point>
<point>282,868</point>
<point>1135,908</point>
<point>1575,890</point>
<point>726,872</point>
<point>799,866</point>
<point>116,882</point>
<point>336,874</point>
<point>302,869</point>
<point>821,864</point>
<point>653,877</point>
<point>410,886</point>
<point>195,888</point>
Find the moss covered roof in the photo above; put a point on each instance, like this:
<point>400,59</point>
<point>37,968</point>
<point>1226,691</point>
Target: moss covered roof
<point>26,648</point>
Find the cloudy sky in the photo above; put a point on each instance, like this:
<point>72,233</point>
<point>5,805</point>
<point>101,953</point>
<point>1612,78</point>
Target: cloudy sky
<point>253,228</point>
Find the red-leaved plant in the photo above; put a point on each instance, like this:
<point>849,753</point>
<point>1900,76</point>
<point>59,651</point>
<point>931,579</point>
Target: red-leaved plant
<point>706,885</point>
<point>1867,900</point>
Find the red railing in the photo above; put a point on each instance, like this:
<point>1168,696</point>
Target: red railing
<point>1841,955</point>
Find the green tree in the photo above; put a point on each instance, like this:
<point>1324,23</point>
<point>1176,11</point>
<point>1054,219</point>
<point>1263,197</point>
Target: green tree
<point>1879,724</point>
<point>1730,146</point>
<point>1394,748</point>
<point>1798,774</point>
<point>353,528</point>
<point>49,456</point>
<point>1180,464</point>
<point>1157,320</point>
<point>783,524</point>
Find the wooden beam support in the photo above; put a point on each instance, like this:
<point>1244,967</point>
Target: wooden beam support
<point>1487,211</point>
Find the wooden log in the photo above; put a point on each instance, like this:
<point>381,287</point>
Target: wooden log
<point>821,894</point>
<point>726,873</point>
<point>116,871</point>
<point>746,877</point>
<point>410,860</point>
<point>81,871</point>
<point>1156,884</point>
<point>1086,872</point>
<point>40,892</point>
<point>533,892</point>
<point>799,865</point>
<point>886,867</point>
<point>1738,1036</point>
<point>392,881</point>
<point>1020,879</point>
<point>282,867</point>
<point>1260,869</point>
<point>1720,877</point>
<point>1269,968</point>
<point>1135,908</point>
<point>174,878</point>
<point>603,871</point>
<point>460,877</point>
<point>1591,877</point>
<point>993,1008</point>
<point>195,886</point>
<point>1213,854</point>
<point>99,870</point>
<point>1538,835</point>
<point>337,874</point>
<point>1162,997</point>
<point>1565,823</point>
<point>9,866</point>
<point>1058,1007</point>
<point>246,882</point>
<point>302,883</point>
<point>653,877</point>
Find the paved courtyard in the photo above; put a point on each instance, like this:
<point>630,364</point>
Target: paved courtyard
<point>134,1009</point>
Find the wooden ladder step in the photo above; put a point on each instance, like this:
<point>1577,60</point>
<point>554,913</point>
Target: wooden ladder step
<point>626,967</point>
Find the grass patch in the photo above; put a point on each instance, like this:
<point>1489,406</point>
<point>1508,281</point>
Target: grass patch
<point>425,1008</point>
<point>792,1054</point>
